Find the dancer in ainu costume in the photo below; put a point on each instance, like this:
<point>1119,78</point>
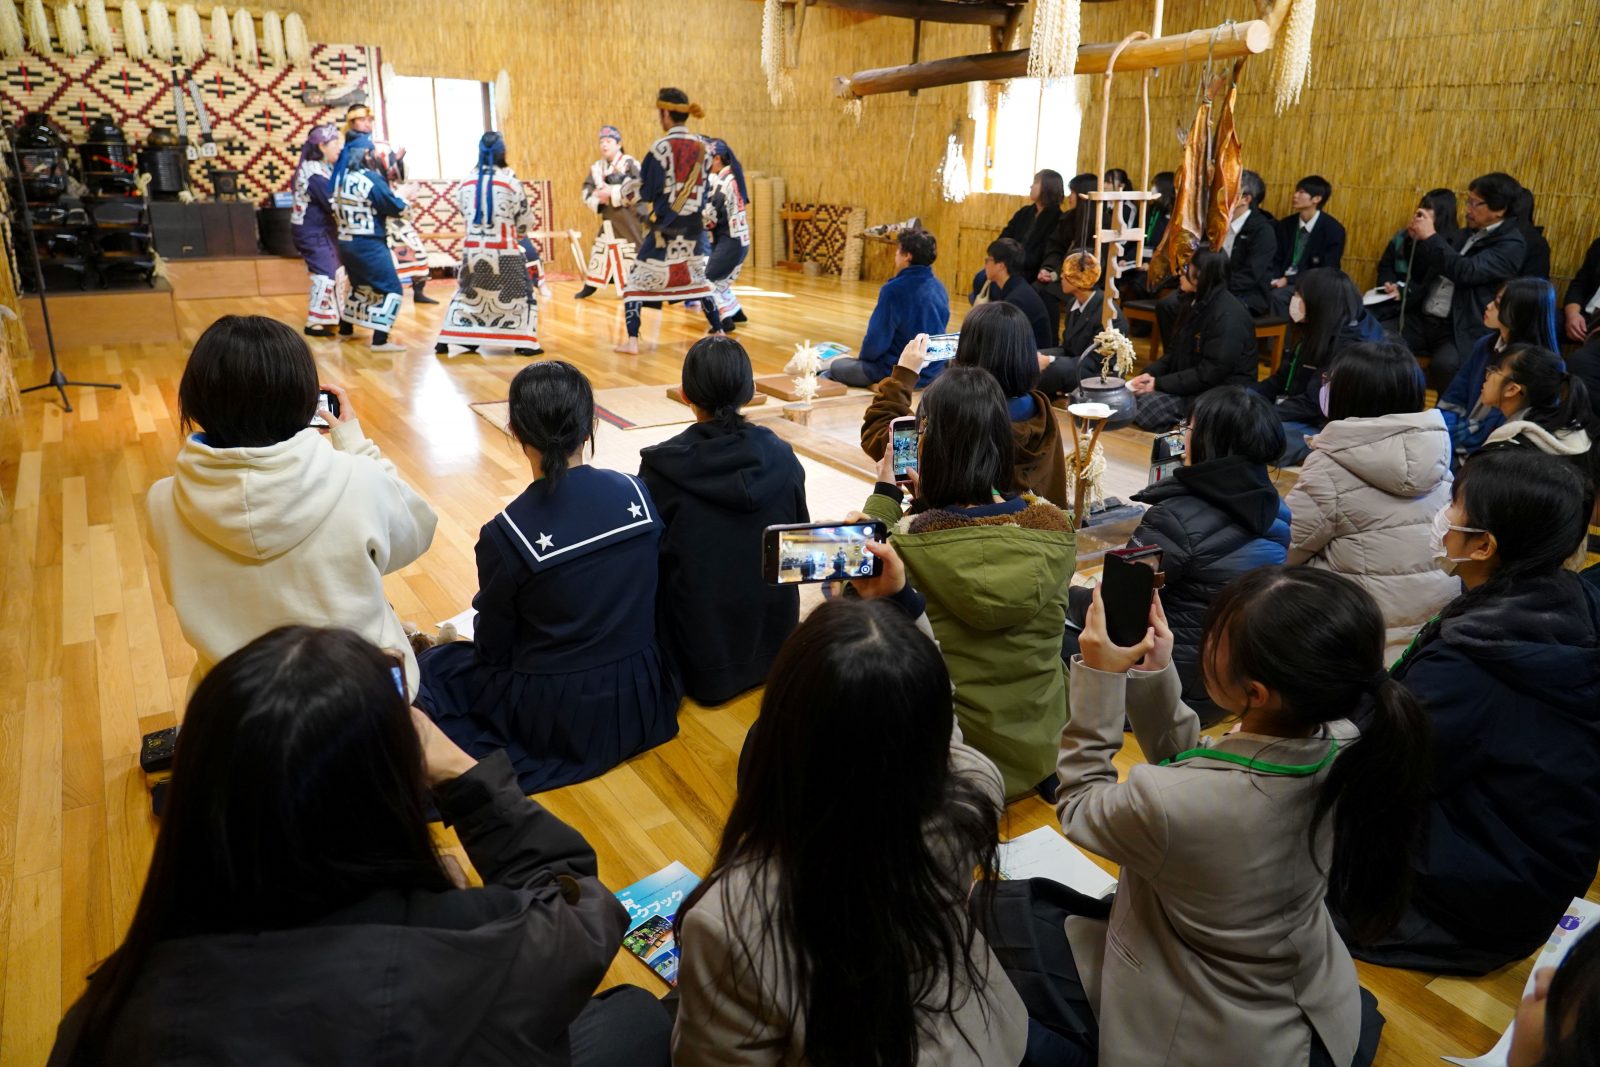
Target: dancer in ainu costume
<point>671,264</point>
<point>494,303</point>
<point>614,247</point>
<point>362,201</point>
<point>410,256</point>
<point>730,231</point>
<point>316,235</point>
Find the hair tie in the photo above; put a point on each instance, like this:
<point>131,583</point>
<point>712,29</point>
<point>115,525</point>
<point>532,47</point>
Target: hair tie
<point>683,108</point>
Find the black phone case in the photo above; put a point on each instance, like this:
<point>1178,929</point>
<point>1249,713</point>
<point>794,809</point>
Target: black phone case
<point>1126,590</point>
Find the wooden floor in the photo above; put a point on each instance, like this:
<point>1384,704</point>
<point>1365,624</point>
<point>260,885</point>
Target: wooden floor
<point>91,656</point>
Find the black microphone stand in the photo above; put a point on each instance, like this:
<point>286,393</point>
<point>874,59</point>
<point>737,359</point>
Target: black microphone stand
<point>58,381</point>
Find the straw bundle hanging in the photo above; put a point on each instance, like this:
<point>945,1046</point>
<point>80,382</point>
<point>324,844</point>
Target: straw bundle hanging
<point>69,28</point>
<point>244,39</point>
<point>191,47</point>
<point>953,177</point>
<point>221,37</point>
<point>12,43</point>
<point>773,60</point>
<point>272,38</point>
<point>295,40</point>
<point>162,45</point>
<point>39,28</point>
<point>1291,58</point>
<point>1053,48</point>
<point>134,41</point>
<point>502,96</point>
<point>99,27</point>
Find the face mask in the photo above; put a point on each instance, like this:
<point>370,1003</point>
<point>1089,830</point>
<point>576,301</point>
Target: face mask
<point>1442,526</point>
<point>1297,309</point>
<point>1322,397</point>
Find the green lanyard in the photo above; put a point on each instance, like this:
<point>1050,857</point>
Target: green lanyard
<point>1294,770</point>
<point>1405,653</point>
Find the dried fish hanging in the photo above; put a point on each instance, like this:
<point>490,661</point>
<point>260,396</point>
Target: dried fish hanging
<point>272,38</point>
<point>162,43</point>
<point>1227,156</point>
<point>99,27</point>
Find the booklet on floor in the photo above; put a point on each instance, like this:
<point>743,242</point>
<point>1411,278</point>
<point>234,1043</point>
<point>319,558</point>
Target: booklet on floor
<point>1044,853</point>
<point>652,903</point>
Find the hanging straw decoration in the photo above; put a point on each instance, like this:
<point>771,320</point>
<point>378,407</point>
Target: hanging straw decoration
<point>272,39</point>
<point>191,48</point>
<point>162,45</point>
<point>134,41</point>
<point>221,37</point>
<point>12,43</point>
<point>39,28</point>
<point>296,41</point>
<point>99,27</point>
<point>1291,57</point>
<point>69,28</point>
<point>1053,49</point>
<point>773,60</point>
<point>244,39</point>
<point>953,178</point>
<point>502,96</point>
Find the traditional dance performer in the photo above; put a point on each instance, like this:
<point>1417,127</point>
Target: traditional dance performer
<point>410,256</point>
<point>316,234</point>
<point>614,247</point>
<point>671,264</point>
<point>494,299</point>
<point>730,231</point>
<point>362,201</point>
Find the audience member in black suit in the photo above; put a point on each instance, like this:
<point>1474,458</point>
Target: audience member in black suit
<point>1080,277</point>
<point>1157,214</point>
<point>1213,343</point>
<point>1251,245</point>
<point>1469,268</point>
<point>1033,224</point>
<point>1581,314</point>
<point>1007,285</point>
<point>1307,239</point>
<point>1536,261</point>
<point>1399,273</point>
<point>1075,230</point>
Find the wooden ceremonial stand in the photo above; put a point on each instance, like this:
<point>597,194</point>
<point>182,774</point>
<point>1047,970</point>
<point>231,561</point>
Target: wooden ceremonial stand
<point>1094,417</point>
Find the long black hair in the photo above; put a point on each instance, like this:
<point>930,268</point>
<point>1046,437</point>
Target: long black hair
<point>1052,189</point>
<point>867,924</point>
<point>1210,274</point>
<point>1165,186</point>
<point>250,382</point>
<point>552,412</point>
<point>1332,303</point>
<point>997,337</point>
<point>1373,378</point>
<point>1231,420</point>
<point>1558,401</point>
<point>297,790</point>
<point>717,379</point>
<point>1377,788</point>
<point>1526,308</point>
<point>1442,202</point>
<point>967,442</point>
<point>1572,1008</point>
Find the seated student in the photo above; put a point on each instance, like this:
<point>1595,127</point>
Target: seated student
<point>1510,678</point>
<point>912,302</point>
<point>994,567</point>
<point>1545,408</point>
<point>1536,261</point>
<point>1399,273</point>
<point>263,523</point>
<point>564,671</point>
<point>1250,248</point>
<point>1522,312</point>
<point>1328,315</point>
<point>1075,230</point>
<point>997,338</point>
<point>1002,266</point>
<point>1059,374</point>
<point>1376,476</point>
<point>1219,948</point>
<point>716,486</point>
<point>786,962</point>
<point>1467,270</point>
<point>1581,315</point>
<point>298,911</point>
<point>1213,343</point>
<point>1558,1022</point>
<point>1033,224</point>
<point>1308,239</point>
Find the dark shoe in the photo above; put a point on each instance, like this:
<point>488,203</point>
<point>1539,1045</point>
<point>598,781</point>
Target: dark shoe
<point>441,349</point>
<point>319,331</point>
<point>1047,789</point>
<point>346,329</point>
<point>738,316</point>
<point>585,293</point>
<point>471,348</point>
<point>529,351</point>
<point>420,297</point>
<point>726,328</point>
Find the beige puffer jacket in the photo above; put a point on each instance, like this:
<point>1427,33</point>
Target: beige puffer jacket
<point>1364,507</point>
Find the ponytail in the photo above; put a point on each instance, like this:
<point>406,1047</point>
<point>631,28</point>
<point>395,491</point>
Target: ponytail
<point>552,412</point>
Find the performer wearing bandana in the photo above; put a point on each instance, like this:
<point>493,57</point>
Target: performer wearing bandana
<point>614,249</point>
<point>494,301</point>
<point>730,231</point>
<point>410,255</point>
<point>316,234</point>
<point>362,201</point>
<point>671,264</point>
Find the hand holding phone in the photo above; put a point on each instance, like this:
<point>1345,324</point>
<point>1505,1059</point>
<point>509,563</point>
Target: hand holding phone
<point>821,552</point>
<point>942,346</point>
<point>905,444</point>
<point>333,407</point>
<point>1119,631</point>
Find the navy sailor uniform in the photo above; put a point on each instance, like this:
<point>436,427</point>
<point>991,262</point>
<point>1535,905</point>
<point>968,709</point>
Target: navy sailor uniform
<point>564,673</point>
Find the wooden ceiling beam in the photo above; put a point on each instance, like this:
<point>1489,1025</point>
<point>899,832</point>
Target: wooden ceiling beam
<point>930,10</point>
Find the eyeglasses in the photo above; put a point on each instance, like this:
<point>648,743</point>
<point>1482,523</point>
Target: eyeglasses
<point>1473,201</point>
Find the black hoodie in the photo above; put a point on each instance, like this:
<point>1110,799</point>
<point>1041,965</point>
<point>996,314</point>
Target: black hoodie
<point>716,489</point>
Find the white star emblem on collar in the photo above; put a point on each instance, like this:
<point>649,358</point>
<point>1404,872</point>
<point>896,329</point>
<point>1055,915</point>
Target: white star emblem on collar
<point>545,541</point>
<point>635,510</point>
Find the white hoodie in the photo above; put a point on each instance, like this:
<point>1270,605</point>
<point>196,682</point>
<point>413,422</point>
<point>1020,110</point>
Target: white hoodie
<point>250,539</point>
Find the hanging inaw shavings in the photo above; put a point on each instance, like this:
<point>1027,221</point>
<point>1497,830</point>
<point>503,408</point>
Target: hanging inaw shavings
<point>272,38</point>
<point>39,28</point>
<point>1291,56</point>
<point>12,43</point>
<point>295,40</point>
<point>1053,49</point>
<point>162,44</point>
<point>502,96</point>
<point>99,27</point>
<point>773,59</point>
<point>70,29</point>
<point>134,41</point>
<point>244,39</point>
<point>221,37</point>
<point>191,46</point>
<point>953,178</point>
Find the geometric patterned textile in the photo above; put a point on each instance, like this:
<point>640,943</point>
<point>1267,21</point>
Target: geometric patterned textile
<point>256,113</point>
<point>443,227</point>
<point>821,239</point>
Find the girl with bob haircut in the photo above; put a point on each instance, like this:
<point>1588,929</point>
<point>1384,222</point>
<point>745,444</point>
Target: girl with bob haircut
<point>564,671</point>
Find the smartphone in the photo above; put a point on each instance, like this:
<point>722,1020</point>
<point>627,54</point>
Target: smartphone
<point>942,346</point>
<point>1166,455</point>
<point>1127,587</point>
<point>820,552</point>
<point>904,441</point>
<point>326,401</point>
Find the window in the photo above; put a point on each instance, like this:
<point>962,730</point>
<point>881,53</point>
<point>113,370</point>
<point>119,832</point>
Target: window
<point>438,121</point>
<point>1036,127</point>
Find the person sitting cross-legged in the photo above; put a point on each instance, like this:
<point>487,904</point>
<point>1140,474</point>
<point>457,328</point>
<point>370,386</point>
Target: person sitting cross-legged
<point>912,302</point>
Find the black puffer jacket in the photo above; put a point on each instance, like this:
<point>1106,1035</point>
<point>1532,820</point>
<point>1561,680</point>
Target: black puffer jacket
<point>1214,521</point>
<point>1214,343</point>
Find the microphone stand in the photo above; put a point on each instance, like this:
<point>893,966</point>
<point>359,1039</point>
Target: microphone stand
<point>57,381</point>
